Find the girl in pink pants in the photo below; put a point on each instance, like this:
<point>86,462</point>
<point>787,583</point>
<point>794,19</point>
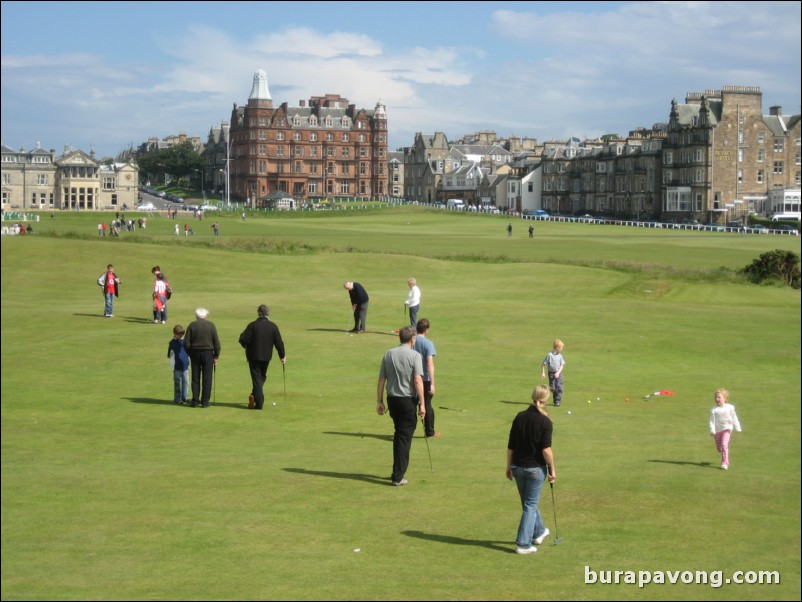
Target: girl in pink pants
<point>723,420</point>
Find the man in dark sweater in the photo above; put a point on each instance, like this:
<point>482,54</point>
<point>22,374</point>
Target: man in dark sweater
<point>359,303</point>
<point>203,345</point>
<point>258,340</point>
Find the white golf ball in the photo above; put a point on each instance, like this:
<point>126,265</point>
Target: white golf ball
<point>569,412</point>
<point>357,549</point>
<point>274,403</point>
<point>598,398</point>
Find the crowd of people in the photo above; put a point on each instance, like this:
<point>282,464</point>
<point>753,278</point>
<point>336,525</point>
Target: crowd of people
<point>404,390</point>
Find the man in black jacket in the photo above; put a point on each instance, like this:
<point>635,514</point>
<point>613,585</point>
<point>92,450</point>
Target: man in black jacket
<point>258,339</point>
<point>203,346</point>
<point>359,303</point>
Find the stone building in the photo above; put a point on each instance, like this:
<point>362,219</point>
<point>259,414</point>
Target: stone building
<point>38,180</point>
<point>324,148</point>
<point>722,156</point>
<point>424,166</point>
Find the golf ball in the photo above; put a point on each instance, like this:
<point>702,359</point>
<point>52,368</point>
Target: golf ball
<point>569,412</point>
<point>588,400</point>
<point>274,403</point>
<point>598,398</point>
<point>357,549</point>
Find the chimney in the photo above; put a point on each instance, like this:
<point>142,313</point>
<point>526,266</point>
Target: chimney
<point>303,103</point>
<point>776,110</point>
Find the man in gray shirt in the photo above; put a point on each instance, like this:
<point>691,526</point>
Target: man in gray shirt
<point>401,372</point>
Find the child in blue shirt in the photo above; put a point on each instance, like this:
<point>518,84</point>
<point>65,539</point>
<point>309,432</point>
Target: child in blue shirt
<point>180,362</point>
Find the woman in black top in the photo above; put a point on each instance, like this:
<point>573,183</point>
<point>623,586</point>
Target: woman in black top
<point>530,461</point>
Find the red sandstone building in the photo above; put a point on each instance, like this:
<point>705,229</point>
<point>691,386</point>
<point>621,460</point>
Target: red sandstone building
<point>326,148</point>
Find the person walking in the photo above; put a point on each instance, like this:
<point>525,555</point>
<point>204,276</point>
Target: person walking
<point>530,461</point>
<point>203,345</point>
<point>401,372</point>
<point>425,347</point>
<point>413,301</point>
<point>531,231</point>
<point>359,304</point>
<point>509,229</point>
<point>109,283</point>
<point>258,339</point>
<point>723,420</point>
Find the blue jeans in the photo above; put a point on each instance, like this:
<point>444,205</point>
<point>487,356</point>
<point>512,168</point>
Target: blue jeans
<point>556,386</point>
<point>413,315</point>
<point>180,385</point>
<point>109,309</point>
<point>530,483</point>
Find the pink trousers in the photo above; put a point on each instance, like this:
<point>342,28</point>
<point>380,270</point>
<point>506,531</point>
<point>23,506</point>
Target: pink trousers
<point>723,445</point>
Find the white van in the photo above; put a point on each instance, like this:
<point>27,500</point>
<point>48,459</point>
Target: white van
<point>785,217</point>
<point>457,204</point>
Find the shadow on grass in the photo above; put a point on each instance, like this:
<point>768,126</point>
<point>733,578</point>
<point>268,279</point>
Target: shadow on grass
<point>353,476</point>
<point>386,332</point>
<point>679,463</point>
<point>517,403</point>
<point>362,435</point>
<point>459,541</point>
<point>169,402</point>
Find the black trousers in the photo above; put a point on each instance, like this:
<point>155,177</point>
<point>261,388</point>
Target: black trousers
<point>258,378</point>
<point>428,420</point>
<point>403,411</point>
<point>202,370</point>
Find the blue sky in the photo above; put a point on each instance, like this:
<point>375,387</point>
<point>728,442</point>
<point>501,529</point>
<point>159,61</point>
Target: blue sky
<point>110,74</point>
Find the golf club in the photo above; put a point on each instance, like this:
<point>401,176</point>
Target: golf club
<point>214,384</point>
<point>284,374</point>
<point>452,409</point>
<point>557,537</point>
<point>425,438</point>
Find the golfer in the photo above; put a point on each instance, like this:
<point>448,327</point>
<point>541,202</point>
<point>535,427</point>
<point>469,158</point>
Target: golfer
<point>402,372</point>
<point>359,303</point>
<point>203,345</point>
<point>258,339</point>
<point>530,461</point>
<point>413,301</point>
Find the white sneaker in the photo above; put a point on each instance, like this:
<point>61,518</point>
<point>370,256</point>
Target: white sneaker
<point>529,550</point>
<point>401,482</point>
<point>540,539</point>
<point>724,467</point>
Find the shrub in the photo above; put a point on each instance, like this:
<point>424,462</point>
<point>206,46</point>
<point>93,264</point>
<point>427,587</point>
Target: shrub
<point>777,264</point>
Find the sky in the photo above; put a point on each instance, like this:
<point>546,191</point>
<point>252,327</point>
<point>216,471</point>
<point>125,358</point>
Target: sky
<point>109,75</point>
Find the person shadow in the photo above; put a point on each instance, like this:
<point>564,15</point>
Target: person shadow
<point>353,476</point>
<point>361,435</point>
<point>680,463</point>
<point>460,541</point>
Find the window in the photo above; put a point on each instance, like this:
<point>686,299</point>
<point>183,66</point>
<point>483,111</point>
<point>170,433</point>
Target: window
<point>41,179</point>
<point>778,167</point>
<point>313,136</point>
<point>296,136</point>
<point>668,158</point>
<point>346,137</point>
<point>280,151</point>
<point>761,155</point>
<point>761,137</point>
<point>279,135</point>
<point>779,145</point>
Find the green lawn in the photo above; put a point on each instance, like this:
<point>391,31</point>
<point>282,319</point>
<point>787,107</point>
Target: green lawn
<point>110,492</point>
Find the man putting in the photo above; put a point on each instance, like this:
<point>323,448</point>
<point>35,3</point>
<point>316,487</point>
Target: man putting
<point>359,304</point>
<point>402,372</point>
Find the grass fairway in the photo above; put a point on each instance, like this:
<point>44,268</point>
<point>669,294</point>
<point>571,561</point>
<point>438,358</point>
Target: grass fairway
<point>110,492</point>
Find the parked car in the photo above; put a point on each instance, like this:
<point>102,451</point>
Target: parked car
<point>209,207</point>
<point>786,228</point>
<point>145,207</point>
<point>715,227</point>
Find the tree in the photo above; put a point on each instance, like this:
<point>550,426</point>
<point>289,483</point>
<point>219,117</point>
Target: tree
<point>178,160</point>
<point>777,264</point>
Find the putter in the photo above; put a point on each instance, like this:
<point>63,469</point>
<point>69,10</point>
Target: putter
<point>214,384</point>
<point>452,409</point>
<point>557,537</point>
<point>284,373</point>
<point>425,438</point>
